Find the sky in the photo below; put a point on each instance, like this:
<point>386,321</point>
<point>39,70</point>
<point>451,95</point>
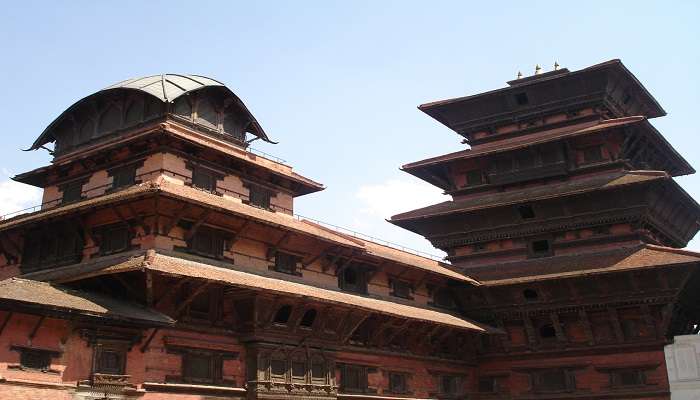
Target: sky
<point>337,83</point>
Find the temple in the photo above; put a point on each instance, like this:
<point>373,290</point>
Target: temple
<point>166,260</point>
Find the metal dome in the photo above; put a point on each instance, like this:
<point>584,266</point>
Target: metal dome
<point>166,88</point>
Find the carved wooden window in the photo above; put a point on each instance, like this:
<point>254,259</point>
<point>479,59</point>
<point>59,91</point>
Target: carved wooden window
<point>299,370</point>
<point>113,238</point>
<point>530,295</point>
<point>353,278</point>
<point>540,248</point>
<point>285,262</point>
<point>443,297</point>
<point>474,177</point>
<point>207,242</point>
<point>307,320</point>
<point>259,196</point>
<point>449,385</point>
<point>201,367</point>
<point>72,192</point>
<point>592,154</point>
<point>547,332</point>
<point>521,99</point>
<point>200,307</point>
<point>627,377</point>
<point>57,246</point>
<point>110,358</point>
<point>487,384</point>
<point>123,177</point>
<point>353,379</point>
<point>553,380</point>
<point>204,179</point>
<point>526,211</point>
<point>278,369</point>
<point>35,359</point>
<point>282,315</point>
<point>525,160</point>
<point>401,289</point>
<point>318,372</point>
<point>398,382</point>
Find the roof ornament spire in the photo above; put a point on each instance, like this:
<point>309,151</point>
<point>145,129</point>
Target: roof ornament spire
<point>538,69</point>
<point>520,75</point>
<point>556,66</point>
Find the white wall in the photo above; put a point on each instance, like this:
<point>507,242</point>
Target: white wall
<point>683,364</point>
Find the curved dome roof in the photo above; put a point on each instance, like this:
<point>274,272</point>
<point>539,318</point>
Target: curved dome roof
<point>167,88</point>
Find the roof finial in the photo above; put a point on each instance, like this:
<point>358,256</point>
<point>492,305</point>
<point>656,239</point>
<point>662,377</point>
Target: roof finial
<point>556,65</point>
<point>520,75</point>
<point>538,69</point>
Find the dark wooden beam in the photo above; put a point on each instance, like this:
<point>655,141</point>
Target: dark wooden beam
<point>193,230</point>
<point>5,322</point>
<point>615,321</point>
<point>587,329</point>
<point>38,324</point>
<point>189,299</point>
<point>176,218</point>
<point>139,221</point>
<point>318,256</point>
<point>272,250</point>
<point>171,291</point>
<point>352,325</point>
<point>149,340</point>
<point>237,236</point>
<point>149,288</point>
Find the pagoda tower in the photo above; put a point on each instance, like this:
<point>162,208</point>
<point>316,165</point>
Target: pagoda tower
<point>565,209</point>
<point>165,262</point>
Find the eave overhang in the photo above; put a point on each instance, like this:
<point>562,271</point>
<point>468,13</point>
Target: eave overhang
<point>439,109</point>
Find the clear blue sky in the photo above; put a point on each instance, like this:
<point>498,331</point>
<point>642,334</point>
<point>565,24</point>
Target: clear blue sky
<point>337,83</point>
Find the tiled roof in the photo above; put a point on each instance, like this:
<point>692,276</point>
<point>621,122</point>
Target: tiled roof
<point>534,193</point>
<point>175,264</point>
<point>583,264</point>
<point>181,267</point>
<point>527,140</point>
<point>41,297</point>
<point>281,220</point>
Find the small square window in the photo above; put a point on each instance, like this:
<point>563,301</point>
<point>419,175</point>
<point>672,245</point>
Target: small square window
<point>448,384</point>
<point>487,384</point>
<point>72,192</point>
<point>285,262</point>
<point>630,377</point>
<point>521,99</point>
<point>298,369</point>
<point>259,196</point>
<point>200,367</point>
<point>353,378</point>
<point>526,211</point>
<point>442,297</point>
<point>592,154</point>
<point>398,383</point>
<point>114,239</point>
<point>203,179</point>
<point>474,177</point>
<point>110,359</point>
<point>123,177</point>
<point>402,289</point>
<point>278,367</point>
<point>35,359</point>
<point>540,248</point>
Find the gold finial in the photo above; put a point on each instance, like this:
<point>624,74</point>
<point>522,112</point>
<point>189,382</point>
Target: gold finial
<point>520,75</point>
<point>538,69</point>
<point>556,65</point>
